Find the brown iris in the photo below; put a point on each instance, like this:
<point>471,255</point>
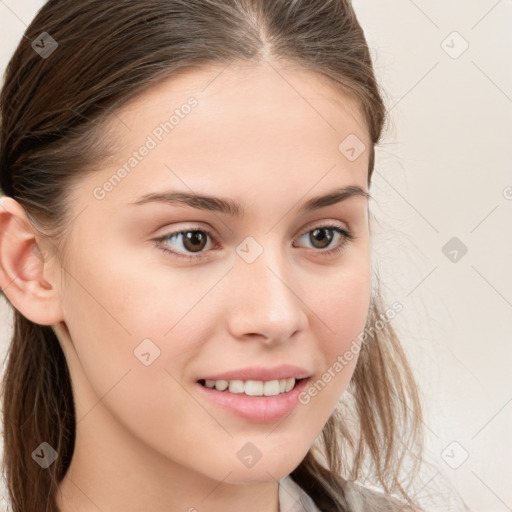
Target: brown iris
<point>323,238</point>
<point>194,241</point>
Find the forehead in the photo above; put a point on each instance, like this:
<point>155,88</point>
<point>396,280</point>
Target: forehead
<point>239,94</point>
<point>251,128</point>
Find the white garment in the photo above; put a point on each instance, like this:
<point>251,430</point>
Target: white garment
<point>292,498</point>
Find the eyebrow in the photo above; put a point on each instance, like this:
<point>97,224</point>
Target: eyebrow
<point>232,208</point>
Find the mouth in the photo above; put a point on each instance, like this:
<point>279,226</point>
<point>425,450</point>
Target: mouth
<point>254,388</point>
<point>254,400</point>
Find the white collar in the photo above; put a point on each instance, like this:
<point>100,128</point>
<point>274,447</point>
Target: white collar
<point>292,498</point>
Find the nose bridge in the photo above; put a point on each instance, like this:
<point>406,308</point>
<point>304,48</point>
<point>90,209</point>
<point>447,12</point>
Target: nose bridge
<point>266,301</point>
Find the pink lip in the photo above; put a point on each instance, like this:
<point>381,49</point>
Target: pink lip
<point>284,371</point>
<point>257,409</point>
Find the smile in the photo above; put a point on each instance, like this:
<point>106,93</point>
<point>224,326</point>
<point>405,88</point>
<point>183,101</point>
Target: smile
<point>246,399</point>
<point>252,387</point>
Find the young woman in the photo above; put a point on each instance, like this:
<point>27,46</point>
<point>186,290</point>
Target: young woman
<point>186,247</point>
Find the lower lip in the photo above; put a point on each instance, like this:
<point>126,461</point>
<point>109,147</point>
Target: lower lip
<point>257,409</point>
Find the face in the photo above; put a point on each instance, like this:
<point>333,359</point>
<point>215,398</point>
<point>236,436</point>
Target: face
<point>162,298</point>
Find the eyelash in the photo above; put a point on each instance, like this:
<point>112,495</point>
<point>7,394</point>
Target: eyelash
<point>347,236</point>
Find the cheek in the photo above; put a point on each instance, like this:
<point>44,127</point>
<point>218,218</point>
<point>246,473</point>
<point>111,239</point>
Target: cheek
<point>342,306</point>
<point>117,319</point>
<point>124,358</point>
<point>340,316</point>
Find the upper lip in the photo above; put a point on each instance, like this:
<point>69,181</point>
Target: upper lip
<point>263,373</point>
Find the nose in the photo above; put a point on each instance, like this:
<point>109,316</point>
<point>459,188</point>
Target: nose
<point>266,300</point>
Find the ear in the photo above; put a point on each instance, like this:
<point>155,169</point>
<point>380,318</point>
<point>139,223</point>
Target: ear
<point>27,269</point>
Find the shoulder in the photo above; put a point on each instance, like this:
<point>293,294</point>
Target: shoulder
<point>361,499</point>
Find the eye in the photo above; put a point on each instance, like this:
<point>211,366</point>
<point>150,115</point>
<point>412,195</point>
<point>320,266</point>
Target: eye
<point>322,237</point>
<point>194,240</point>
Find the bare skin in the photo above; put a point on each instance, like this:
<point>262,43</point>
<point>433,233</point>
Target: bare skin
<point>147,439</point>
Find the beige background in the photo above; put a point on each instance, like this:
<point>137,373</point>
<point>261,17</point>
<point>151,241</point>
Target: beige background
<point>442,171</point>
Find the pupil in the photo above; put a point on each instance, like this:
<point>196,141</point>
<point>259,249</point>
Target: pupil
<point>327,238</point>
<point>194,240</point>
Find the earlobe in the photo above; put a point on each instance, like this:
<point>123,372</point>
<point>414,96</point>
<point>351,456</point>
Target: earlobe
<point>24,265</point>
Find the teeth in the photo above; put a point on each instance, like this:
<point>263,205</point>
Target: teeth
<point>271,388</point>
<point>253,387</point>
<point>236,386</point>
<point>221,385</point>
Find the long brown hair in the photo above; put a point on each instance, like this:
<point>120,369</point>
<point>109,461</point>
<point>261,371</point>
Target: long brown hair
<point>53,110</point>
